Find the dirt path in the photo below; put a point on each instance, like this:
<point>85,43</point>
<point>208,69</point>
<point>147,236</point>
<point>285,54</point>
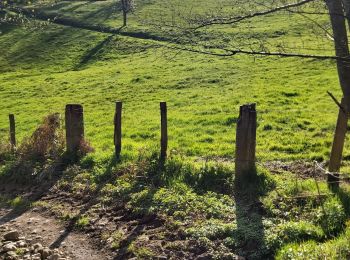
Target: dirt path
<point>50,233</point>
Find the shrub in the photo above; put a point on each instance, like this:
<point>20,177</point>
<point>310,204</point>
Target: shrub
<point>85,148</point>
<point>47,141</point>
<point>213,229</point>
<point>331,217</point>
<point>338,248</point>
<point>5,151</point>
<point>36,154</point>
<point>292,232</point>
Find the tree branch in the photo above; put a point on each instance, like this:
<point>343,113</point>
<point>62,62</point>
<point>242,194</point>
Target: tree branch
<point>232,20</point>
<point>232,52</point>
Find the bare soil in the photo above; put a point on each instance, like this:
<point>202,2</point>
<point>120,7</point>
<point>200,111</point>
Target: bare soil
<point>50,233</point>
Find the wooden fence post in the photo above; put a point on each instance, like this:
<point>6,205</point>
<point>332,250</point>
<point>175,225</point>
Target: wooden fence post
<point>118,128</point>
<point>245,141</point>
<point>337,147</point>
<point>74,119</point>
<point>12,131</point>
<point>164,130</point>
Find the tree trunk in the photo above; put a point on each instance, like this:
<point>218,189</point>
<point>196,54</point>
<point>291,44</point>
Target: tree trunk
<point>341,46</point>
<point>337,147</point>
<point>347,10</point>
<point>124,18</point>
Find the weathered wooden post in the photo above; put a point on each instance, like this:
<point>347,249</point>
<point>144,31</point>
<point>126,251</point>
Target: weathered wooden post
<point>74,128</point>
<point>118,128</point>
<point>245,141</point>
<point>338,145</point>
<point>12,131</point>
<point>341,46</point>
<point>164,130</point>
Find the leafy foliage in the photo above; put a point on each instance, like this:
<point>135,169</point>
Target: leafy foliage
<point>331,217</point>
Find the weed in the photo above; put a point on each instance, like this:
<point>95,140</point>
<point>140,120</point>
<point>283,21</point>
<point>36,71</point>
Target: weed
<point>140,252</point>
<point>331,217</point>
<point>116,238</point>
<point>37,155</point>
<point>82,221</point>
<point>213,229</point>
<point>337,248</point>
<point>46,142</point>
<point>288,232</point>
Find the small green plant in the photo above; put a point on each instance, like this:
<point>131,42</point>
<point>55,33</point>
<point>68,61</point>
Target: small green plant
<point>331,217</point>
<point>337,248</point>
<point>141,252</point>
<point>213,229</point>
<point>20,251</point>
<point>117,238</point>
<point>292,232</point>
<point>82,221</point>
<point>19,203</point>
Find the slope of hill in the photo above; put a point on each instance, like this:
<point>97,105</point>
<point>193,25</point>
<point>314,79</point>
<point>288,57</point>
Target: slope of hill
<point>186,209</point>
<point>62,64</point>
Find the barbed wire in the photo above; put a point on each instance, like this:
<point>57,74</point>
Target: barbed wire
<point>336,175</point>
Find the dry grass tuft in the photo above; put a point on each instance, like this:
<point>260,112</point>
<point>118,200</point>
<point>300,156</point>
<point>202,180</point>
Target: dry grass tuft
<point>85,148</point>
<point>47,142</point>
<point>5,151</point>
<point>39,155</point>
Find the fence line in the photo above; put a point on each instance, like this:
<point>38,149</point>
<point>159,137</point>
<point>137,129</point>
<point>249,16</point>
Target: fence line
<point>245,136</point>
<point>74,126</point>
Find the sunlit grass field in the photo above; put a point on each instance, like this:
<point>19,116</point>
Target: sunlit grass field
<point>45,68</point>
<point>284,213</point>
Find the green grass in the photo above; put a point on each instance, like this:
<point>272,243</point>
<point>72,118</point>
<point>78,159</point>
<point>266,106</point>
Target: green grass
<point>337,248</point>
<point>46,66</point>
<point>43,71</point>
<point>293,214</point>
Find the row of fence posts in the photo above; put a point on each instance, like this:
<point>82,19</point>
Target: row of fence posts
<point>74,126</point>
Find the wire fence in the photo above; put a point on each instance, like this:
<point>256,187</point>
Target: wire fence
<point>204,120</point>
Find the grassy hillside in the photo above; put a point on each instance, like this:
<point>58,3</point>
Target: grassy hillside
<point>54,65</point>
<point>47,65</point>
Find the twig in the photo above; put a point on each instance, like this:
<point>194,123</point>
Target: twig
<point>336,101</point>
<point>318,190</point>
<point>233,52</point>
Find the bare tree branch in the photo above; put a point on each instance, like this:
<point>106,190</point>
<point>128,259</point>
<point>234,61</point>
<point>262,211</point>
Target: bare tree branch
<point>232,20</point>
<point>231,52</point>
<point>315,22</point>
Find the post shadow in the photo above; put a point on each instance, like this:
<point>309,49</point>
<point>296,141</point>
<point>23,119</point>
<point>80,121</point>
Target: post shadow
<point>32,190</point>
<point>249,215</point>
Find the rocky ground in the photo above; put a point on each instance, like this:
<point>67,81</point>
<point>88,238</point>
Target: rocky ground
<point>36,237</point>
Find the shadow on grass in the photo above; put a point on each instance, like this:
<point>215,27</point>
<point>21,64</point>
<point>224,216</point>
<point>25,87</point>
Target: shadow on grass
<point>152,173</point>
<point>249,214</point>
<point>89,54</point>
<point>27,190</point>
<point>34,167</point>
<point>140,220</point>
<point>6,28</point>
<point>107,177</point>
<point>344,196</point>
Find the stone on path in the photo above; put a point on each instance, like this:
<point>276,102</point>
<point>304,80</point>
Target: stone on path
<point>13,235</point>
